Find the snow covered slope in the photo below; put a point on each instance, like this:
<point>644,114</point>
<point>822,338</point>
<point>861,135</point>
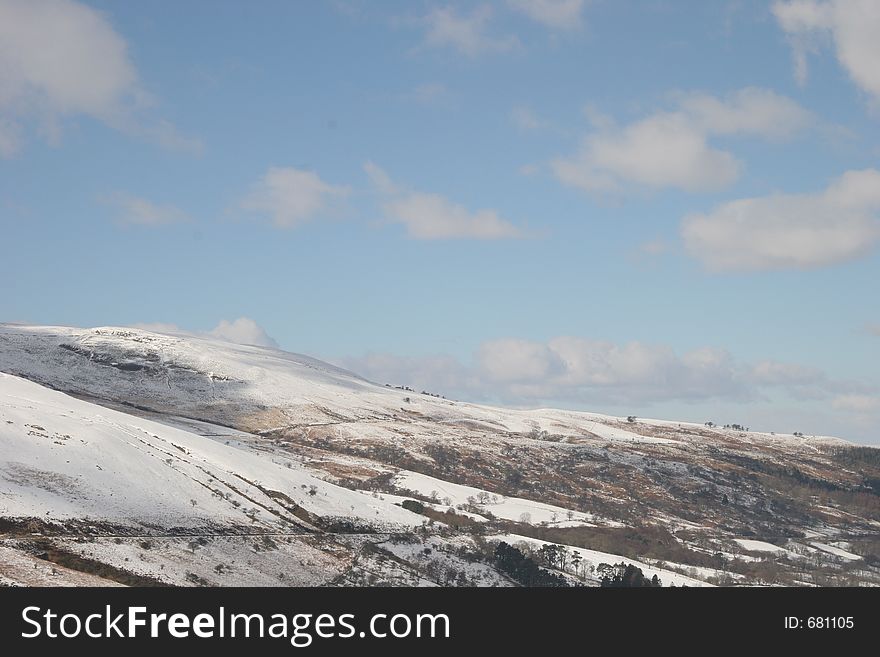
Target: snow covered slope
<point>592,558</point>
<point>63,458</point>
<point>188,375</point>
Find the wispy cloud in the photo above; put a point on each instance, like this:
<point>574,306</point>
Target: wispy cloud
<point>467,33</point>
<point>290,197</point>
<point>433,217</point>
<point>137,211</point>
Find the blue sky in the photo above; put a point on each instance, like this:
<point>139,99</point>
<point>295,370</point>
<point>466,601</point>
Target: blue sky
<point>668,209</point>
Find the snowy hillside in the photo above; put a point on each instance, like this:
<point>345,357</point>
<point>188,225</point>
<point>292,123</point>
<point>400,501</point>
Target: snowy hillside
<point>64,458</point>
<point>187,460</point>
<point>260,389</point>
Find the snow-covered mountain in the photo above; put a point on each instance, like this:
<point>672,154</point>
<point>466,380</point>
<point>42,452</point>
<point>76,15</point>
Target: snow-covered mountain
<point>185,459</point>
<point>250,387</point>
<point>67,459</point>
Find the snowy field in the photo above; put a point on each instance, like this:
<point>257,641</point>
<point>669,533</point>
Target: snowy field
<point>508,508</point>
<point>63,458</point>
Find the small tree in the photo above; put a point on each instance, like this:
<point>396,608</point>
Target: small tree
<point>561,556</point>
<point>413,505</point>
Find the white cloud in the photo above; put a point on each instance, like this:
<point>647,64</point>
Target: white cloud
<point>749,111</point>
<point>790,231</point>
<point>644,370</point>
<point>518,361</point>
<point>664,150</point>
<point>243,330</point>
<point>66,52</point>
<point>672,149</point>
<point>851,26</point>
<point>597,374</point>
<point>557,14</point>
<point>436,374</point>
<point>291,197</point>
<point>468,34</point>
<point>567,369</point>
<point>60,58</point>
<point>434,217</point>
<point>137,211</point>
